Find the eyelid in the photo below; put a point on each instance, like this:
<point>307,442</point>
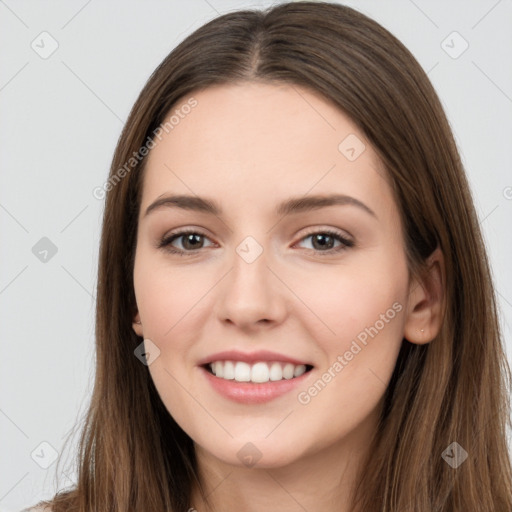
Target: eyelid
<point>346,241</point>
<point>165,242</point>
<point>334,231</point>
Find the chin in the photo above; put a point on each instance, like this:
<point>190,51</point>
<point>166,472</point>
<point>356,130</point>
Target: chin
<point>254,453</point>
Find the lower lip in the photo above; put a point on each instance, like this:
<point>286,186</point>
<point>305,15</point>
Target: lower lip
<point>251,393</point>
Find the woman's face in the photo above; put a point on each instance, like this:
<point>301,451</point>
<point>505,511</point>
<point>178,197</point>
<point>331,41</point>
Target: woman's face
<point>281,278</point>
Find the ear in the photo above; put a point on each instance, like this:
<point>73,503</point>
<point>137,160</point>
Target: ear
<point>425,303</point>
<point>137,325</point>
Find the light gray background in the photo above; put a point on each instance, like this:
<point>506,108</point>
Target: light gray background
<point>60,120</point>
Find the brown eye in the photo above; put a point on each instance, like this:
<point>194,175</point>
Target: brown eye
<point>323,241</point>
<point>190,241</point>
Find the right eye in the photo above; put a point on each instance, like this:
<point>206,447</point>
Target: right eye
<point>191,242</point>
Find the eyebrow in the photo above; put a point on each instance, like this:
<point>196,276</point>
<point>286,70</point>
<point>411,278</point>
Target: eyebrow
<point>290,206</point>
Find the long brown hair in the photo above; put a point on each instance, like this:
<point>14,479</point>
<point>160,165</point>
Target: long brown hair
<point>132,454</point>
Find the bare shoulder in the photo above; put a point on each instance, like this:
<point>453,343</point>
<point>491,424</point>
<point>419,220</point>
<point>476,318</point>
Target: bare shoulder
<point>38,508</point>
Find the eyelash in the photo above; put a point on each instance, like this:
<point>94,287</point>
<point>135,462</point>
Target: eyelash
<point>164,244</point>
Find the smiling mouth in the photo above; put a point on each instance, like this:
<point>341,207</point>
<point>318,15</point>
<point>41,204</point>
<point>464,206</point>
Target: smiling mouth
<point>258,373</point>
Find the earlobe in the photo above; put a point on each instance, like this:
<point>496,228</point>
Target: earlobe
<point>137,325</point>
<point>425,304</point>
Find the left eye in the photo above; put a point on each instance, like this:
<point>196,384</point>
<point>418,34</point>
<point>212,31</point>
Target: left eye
<point>325,239</point>
<point>192,242</point>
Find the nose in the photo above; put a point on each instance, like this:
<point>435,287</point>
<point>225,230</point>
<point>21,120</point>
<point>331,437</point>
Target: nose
<point>251,295</point>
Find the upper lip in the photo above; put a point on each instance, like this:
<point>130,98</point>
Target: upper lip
<point>249,357</point>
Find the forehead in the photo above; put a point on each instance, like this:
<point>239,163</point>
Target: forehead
<point>252,143</point>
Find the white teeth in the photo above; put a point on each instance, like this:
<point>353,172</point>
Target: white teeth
<point>288,371</point>
<point>258,372</point>
<point>229,370</point>
<point>299,370</point>
<point>276,372</point>
<point>218,367</point>
<point>242,372</point>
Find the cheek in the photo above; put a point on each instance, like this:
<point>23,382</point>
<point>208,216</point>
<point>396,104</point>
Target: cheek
<point>167,297</point>
<point>169,301</point>
<point>362,316</point>
<point>343,304</point>
<point>174,303</point>
<point>358,329</point>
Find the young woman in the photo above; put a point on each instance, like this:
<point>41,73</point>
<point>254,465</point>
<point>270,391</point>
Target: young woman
<point>294,306</point>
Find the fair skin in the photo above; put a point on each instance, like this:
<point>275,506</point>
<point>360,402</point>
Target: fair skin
<point>250,147</point>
